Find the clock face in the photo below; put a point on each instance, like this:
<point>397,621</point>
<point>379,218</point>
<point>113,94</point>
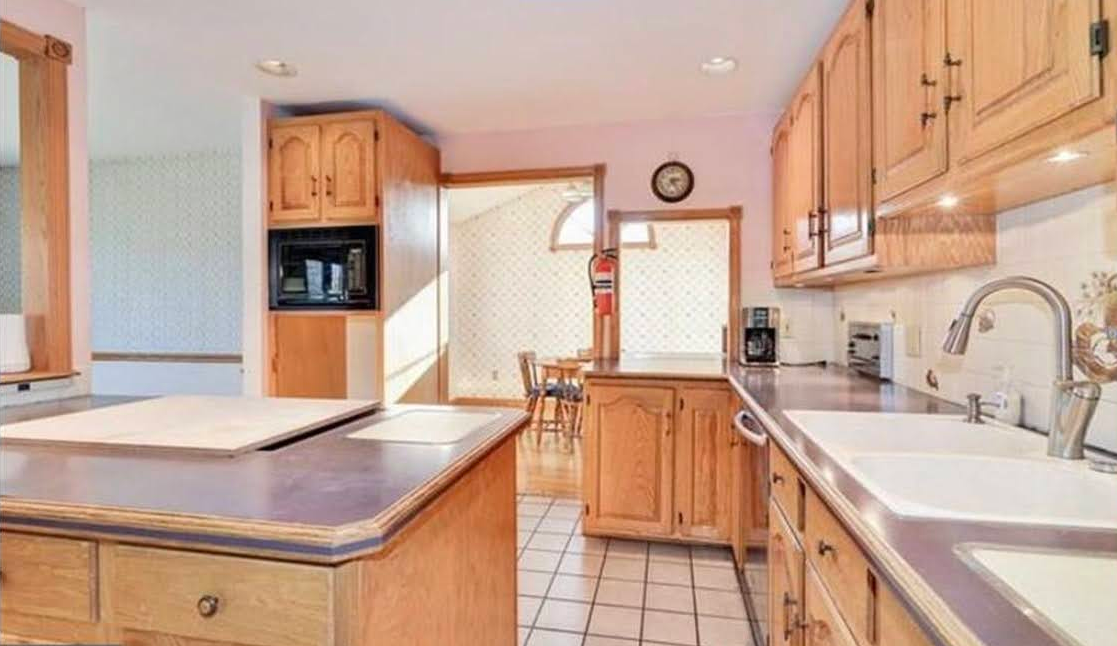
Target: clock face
<point>672,181</point>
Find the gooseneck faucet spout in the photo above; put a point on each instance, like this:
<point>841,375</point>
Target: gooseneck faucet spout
<point>1072,403</point>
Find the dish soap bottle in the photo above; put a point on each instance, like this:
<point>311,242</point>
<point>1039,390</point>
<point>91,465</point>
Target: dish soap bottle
<point>1007,401</point>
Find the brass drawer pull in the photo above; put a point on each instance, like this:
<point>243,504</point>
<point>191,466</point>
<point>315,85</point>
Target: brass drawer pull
<point>791,620</point>
<point>208,605</point>
<point>824,547</point>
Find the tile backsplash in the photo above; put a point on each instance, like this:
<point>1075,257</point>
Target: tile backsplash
<point>1070,242</point>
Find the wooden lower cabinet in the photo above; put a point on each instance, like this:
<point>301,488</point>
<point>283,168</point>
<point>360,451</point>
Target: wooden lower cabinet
<point>331,356</point>
<point>628,454</point>
<point>785,581</point>
<point>705,450</point>
<point>822,624</point>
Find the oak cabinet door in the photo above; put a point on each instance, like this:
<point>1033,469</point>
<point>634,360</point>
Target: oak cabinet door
<point>348,170</point>
<point>909,124</point>
<point>704,455</point>
<point>1021,64</point>
<point>781,225</point>
<point>823,625</point>
<point>805,173</point>
<point>293,169</point>
<point>847,149</point>
<point>785,581</point>
<point>629,452</point>
<point>309,356</point>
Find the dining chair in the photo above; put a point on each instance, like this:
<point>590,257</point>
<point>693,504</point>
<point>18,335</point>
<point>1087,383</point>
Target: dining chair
<point>536,392</point>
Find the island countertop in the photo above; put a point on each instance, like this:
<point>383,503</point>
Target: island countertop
<point>326,497</point>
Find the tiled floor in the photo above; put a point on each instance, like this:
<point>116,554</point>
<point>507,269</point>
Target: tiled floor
<point>581,591</point>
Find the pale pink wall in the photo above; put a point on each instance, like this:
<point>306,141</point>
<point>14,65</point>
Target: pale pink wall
<point>67,21</point>
<point>730,159</point>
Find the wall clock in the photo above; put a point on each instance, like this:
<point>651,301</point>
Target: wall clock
<point>672,181</point>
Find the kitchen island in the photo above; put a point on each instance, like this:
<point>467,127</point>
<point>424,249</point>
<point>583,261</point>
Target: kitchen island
<point>385,527</point>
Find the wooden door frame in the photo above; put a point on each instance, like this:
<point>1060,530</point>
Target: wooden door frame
<point>505,177</point>
<point>44,198</point>
<point>610,238</point>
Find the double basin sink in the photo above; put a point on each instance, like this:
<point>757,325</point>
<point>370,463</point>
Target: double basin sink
<point>940,467</point>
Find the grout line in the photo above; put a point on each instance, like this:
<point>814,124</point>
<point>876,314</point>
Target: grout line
<point>644,597</point>
<point>694,597</point>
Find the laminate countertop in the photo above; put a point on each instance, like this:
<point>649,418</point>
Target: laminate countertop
<point>918,557</point>
<point>324,497</point>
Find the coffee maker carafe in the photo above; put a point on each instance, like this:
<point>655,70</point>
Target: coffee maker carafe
<point>760,332</point>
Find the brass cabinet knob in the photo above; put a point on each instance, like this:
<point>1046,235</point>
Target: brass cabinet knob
<point>777,478</point>
<point>208,605</point>
<point>824,547</point>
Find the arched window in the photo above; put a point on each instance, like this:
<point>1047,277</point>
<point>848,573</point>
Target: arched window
<point>574,230</point>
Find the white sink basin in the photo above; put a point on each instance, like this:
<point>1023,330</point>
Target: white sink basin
<point>1045,491</point>
<point>937,466</point>
<point>1072,595</point>
<point>905,432</point>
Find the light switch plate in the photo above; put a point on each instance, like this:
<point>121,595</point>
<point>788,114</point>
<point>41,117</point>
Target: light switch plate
<point>913,335</point>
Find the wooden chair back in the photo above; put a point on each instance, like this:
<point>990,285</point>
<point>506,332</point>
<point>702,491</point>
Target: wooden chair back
<point>527,371</point>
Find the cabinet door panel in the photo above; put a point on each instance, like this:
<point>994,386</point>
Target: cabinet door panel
<point>629,459</point>
<point>1024,63</point>
<point>309,356</point>
<point>704,464</point>
<point>781,226</point>
<point>823,626</point>
<point>847,169</point>
<point>293,167</point>
<point>785,581</point>
<point>805,173</point>
<point>909,129</point>
<point>348,166</point>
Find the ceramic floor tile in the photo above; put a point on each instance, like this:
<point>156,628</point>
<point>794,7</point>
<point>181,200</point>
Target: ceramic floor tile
<point>670,597</point>
<point>523,633</point>
<point>563,615</point>
<point>581,564</point>
<point>669,627</point>
<point>549,542</point>
<point>527,608</point>
<point>568,502</point>
<point>711,556</point>
<point>669,552</point>
<point>572,513</point>
<point>553,638</point>
<point>557,525</point>
<point>539,560</point>
<point>716,631</point>
<point>533,583</point>
<point>527,523</point>
<point>572,588</point>
<point>620,593</point>
<point>587,544</point>
<point>537,500</point>
<point>629,549</point>
<point>670,573</point>
<point>615,622</point>
<point>522,538</point>
<point>715,577</point>
<point>598,640</point>
<point>720,603</point>
<point>618,567</point>
<point>757,580</point>
<point>531,509</point>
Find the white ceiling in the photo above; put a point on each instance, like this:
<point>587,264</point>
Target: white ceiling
<point>167,74</point>
<point>467,202</point>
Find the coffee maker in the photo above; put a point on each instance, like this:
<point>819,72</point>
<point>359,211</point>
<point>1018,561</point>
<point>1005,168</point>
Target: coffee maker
<point>760,336</point>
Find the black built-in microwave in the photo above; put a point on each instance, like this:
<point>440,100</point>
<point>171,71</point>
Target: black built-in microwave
<point>324,268</point>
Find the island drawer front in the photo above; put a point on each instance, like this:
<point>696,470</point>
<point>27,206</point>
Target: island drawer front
<point>786,486</point>
<point>220,598</point>
<point>48,576</point>
<point>842,566</point>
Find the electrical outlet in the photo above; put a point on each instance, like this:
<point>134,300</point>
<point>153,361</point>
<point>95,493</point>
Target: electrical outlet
<point>914,337</point>
<point>787,330</point>
<point>496,376</point>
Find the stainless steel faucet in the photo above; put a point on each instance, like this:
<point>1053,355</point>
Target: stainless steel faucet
<point>1072,402</point>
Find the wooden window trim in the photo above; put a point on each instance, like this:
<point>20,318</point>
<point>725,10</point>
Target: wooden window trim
<point>609,236</point>
<point>563,215</point>
<point>44,194</point>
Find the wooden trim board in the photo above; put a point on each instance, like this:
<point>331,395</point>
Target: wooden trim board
<point>167,357</point>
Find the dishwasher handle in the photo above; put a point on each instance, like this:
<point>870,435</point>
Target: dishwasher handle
<point>741,421</point>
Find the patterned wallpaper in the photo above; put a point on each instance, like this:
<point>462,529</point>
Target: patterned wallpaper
<point>675,298</point>
<point>10,246</point>
<point>509,292</point>
<point>165,236</point>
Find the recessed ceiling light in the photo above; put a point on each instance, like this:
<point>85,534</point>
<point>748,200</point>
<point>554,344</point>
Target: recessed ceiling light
<point>276,67</point>
<point>948,201</point>
<point>719,65</point>
<point>1064,156</point>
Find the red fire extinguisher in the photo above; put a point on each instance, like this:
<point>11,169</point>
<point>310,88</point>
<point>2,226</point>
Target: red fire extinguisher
<point>602,269</point>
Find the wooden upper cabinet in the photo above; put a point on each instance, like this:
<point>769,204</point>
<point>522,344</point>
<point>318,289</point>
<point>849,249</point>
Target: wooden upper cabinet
<point>293,173</point>
<point>1021,64</point>
<point>847,149</point>
<point>704,464</point>
<point>785,581</point>
<point>909,124</point>
<point>628,463</point>
<point>348,170</point>
<point>804,170</point>
<point>781,225</point>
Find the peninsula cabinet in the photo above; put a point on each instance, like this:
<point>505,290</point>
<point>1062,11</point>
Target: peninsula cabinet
<point>662,461</point>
